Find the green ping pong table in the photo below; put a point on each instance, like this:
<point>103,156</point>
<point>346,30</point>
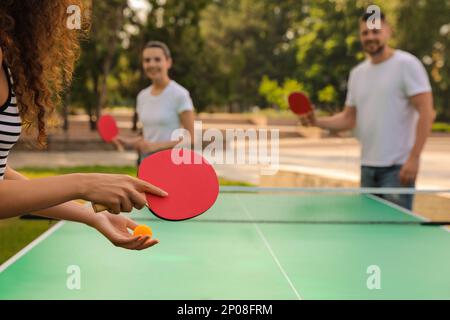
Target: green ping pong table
<point>248,246</point>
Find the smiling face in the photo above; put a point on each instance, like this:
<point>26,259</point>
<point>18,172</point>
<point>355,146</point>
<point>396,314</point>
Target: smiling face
<point>156,64</point>
<point>374,41</point>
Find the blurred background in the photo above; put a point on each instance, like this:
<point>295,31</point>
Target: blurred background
<point>240,59</point>
<point>235,55</point>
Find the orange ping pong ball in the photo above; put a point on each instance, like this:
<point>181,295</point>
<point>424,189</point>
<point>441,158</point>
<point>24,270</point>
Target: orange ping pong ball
<point>143,230</point>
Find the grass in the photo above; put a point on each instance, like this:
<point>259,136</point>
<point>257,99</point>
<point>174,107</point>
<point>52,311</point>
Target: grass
<point>272,114</point>
<point>15,234</point>
<point>280,114</point>
<point>441,127</point>
<point>33,173</point>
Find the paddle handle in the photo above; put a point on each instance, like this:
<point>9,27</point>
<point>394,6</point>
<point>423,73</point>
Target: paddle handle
<point>119,147</point>
<point>99,207</point>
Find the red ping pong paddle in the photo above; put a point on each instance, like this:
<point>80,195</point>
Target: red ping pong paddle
<point>299,103</point>
<point>107,128</point>
<point>187,177</point>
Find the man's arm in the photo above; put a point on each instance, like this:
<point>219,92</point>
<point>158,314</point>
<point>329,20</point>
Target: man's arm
<point>345,120</point>
<point>423,103</point>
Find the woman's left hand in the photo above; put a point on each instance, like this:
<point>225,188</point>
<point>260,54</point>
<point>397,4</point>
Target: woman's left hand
<point>116,229</point>
<point>145,147</point>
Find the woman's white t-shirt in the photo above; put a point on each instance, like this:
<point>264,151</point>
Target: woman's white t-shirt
<point>160,115</point>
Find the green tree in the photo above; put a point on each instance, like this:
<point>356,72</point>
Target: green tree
<point>99,56</point>
<point>424,30</point>
<point>249,39</point>
<point>176,23</point>
<point>278,95</point>
<point>328,47</point>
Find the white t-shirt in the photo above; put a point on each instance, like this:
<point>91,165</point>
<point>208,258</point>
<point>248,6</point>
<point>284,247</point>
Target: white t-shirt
<point>385,120</point>
<point>159,115</point>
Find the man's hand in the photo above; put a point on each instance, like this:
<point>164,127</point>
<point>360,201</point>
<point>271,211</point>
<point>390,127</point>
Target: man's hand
<point>308,120</point>
<point>409,171</point>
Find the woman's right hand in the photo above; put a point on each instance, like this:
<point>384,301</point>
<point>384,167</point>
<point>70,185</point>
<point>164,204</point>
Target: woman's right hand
<point>130,142</point>
<point>119,193</point>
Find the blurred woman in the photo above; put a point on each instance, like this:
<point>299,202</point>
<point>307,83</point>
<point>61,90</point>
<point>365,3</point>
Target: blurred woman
<point>163,107</point>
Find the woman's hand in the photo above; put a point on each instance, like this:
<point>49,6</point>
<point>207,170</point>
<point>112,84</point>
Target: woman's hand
<point>119,146</point>
<point>137,143</point>
<point>133,142</point>
<point>118,193</point>
<point>116,228</point>
<point>145,147</point>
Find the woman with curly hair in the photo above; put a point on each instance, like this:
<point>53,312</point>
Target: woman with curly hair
<point>37,54</point>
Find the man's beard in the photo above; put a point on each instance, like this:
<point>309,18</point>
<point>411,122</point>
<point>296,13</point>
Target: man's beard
<point>377,52</point>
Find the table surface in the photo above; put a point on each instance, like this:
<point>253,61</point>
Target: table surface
<point>248,246</point>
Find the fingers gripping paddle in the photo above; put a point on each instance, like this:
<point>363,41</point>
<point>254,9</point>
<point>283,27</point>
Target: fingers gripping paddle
<point>107,128</point>
<point>299,103</point>
<point>190,181</point>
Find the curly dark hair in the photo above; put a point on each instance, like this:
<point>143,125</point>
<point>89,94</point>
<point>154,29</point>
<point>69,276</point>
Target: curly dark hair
<point>41,51</point>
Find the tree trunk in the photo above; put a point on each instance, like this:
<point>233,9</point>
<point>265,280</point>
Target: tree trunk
<point>446,105</point>
<point>111,44</point>
<point>65,111</point>
<point>135,119</point>
<point>95,114</point>
<point>92,122</point>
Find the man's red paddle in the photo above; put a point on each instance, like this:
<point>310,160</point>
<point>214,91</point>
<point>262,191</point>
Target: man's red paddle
<point>299,103</point>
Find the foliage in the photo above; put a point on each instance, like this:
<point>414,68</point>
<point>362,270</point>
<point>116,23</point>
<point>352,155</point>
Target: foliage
<point>242,53</point>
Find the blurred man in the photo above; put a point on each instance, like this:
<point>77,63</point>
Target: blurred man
<point>390,105</point>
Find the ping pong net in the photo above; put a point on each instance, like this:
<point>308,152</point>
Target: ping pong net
<point>335,206</point>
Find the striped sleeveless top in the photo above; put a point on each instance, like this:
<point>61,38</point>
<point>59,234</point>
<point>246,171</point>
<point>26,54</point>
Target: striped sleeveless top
<point>10,123</point>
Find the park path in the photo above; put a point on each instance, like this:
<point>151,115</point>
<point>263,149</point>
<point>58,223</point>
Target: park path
<point>336,158</point>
